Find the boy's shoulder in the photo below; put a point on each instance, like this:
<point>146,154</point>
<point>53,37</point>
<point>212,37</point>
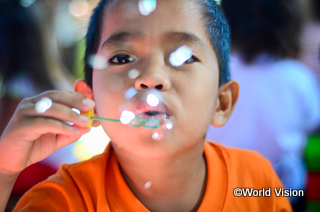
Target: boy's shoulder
<point>243,166</point>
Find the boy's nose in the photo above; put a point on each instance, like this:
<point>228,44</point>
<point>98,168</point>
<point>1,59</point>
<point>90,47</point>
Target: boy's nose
<point>153,76</point>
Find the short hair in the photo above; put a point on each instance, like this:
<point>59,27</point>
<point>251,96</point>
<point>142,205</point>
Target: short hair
<point>218,30</point>
<point>264,26</point>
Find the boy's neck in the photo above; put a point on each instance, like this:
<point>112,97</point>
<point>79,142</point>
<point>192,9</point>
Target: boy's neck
<point>176,183</point>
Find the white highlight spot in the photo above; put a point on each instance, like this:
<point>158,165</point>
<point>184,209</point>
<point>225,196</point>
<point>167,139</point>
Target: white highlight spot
<point>147,6</point>
<point>43,105</point>
<point>76,110</point>
<point>97,62</point>
<point>127,116</point>
<point>130,93</point>
<point>181,55</point>
<point>134,73</point>
<point>169,125</point>
<point>152,100</point>
<point>26,3</point>
<point>156,136</point>
<point>147,185</point>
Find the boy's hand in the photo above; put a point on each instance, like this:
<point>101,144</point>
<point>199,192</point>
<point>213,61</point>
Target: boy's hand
<point>31,136</point>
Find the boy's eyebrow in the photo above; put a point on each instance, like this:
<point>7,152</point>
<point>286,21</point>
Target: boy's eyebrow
<point>185,37</point>
<point>172,35</point>
<point>121,37</point>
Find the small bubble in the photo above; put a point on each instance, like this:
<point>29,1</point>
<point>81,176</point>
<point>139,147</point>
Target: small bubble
<point>43,105</point>
<point>152,100</point>
<point>147,6</point>
<point>97,62</point>
<point>156,136</point>
<point>181,55</point>
<point>147,185</point>
<point>168,125</point>
<point>133,73</point>
<point>130,93</point>
<point>126,117</point>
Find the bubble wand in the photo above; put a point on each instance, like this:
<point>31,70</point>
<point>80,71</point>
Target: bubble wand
<point>136,122</point>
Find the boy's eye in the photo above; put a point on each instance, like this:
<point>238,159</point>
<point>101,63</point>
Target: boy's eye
<point>192,59</point>
<point>121,59</point>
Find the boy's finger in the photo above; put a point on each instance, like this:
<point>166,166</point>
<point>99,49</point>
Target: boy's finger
<point>64,140</point>
<point>56,111</point>
<point>71,99</point>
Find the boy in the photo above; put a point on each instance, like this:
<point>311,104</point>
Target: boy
<point>181,172</point>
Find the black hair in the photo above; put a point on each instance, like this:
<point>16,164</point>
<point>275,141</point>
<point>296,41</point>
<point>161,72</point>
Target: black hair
<point>218,30</point>
<point>264,26</point>
<point>21,50</point>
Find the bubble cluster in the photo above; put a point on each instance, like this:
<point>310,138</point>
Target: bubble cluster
<point>147,6</point>
<point>145,108</point>
<point>180,56</point>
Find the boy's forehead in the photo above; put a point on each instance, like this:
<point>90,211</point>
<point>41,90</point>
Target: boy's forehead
<point>180,19</point>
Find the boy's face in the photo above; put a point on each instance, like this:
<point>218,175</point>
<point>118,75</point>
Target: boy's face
<point>189,91</point>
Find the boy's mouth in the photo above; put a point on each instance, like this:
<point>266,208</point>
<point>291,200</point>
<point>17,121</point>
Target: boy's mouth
<point>152,113</point>
<point>160,113</point>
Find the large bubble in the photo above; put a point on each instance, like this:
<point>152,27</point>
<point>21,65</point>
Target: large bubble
<point>97,61</point>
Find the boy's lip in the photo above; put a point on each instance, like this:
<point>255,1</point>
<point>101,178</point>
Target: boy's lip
<point>146,111</point>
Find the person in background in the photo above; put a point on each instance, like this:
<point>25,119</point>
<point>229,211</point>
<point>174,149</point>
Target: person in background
<point>310,37</point>
<point>279,99</point>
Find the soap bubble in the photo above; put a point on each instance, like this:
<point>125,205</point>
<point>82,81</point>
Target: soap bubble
<point>157,136</point>
<point>153,100</point>
<point>147,185</point>
<point>126,117</point>
<point>43,105</point>
<point>181,55</point>
<point>97,61</point>
<point>144,108</point>
<point>130,93</point>
<point>133,73</point>
<point>168,125</point>
<point>147,6</point>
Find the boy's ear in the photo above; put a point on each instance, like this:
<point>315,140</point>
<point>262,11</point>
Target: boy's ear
<point>227,99</point>
<point>82,87</point>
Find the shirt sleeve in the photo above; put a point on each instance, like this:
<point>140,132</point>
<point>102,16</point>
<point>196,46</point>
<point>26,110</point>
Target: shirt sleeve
<point>57,193</point>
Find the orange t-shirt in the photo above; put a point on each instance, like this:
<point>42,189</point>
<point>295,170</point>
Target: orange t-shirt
<point>98,185</point>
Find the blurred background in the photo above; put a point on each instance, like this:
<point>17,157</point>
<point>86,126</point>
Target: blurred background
<point>42,48</point>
